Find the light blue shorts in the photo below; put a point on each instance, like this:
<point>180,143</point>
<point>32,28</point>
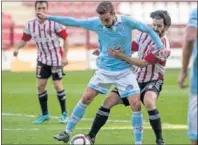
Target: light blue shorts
<point>125,81</point>
<point>192,117</point>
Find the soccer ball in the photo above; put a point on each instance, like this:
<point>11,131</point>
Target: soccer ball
<point>79,139</point>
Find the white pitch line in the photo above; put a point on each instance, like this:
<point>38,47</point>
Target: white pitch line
<point>56,117</point>
<point>146,124</point>
<point>176,127</point>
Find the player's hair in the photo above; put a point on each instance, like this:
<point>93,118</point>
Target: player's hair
<point>162,14</point>
<point>105,7</point>
<point>36,2</point>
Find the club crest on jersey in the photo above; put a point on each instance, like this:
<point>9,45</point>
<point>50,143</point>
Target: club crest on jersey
<point>122,28</point>
<point>129,87</point>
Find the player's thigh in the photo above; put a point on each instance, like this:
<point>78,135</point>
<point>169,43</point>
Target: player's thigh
<point>111,100</point>
<point>129,88</point>
<point>192,117</point>
<point>101,81</point>
<point>150,98</point>
<point>150,91</point>
<point>127,84</point>
<point>89,95</point>
<point>42,71</point>
<point>123,101</point>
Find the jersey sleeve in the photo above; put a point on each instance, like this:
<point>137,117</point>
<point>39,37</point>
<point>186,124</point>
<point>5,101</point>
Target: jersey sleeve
<point>60,31</point>
<point>151,58</point>
<point>135,43</point>
<point>89,24</point>
<point>192,22</point>
<point>26,33</point>
<point>134,24</point>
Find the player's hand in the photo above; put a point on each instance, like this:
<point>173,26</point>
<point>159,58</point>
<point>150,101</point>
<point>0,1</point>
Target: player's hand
<point>181,80</point>
<point>163,53</point>
<point>64,62</point>
<point>41,15</point>
<point>15,52</point>
<point>96,52</point>
<point>114,52</point>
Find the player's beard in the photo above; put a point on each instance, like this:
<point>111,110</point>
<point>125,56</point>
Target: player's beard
<point>109,26</point>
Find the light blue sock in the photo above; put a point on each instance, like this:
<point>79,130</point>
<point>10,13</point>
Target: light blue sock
<point>137,123</point>
<point>76,116</point>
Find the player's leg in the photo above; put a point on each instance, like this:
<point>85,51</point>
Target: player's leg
<point>43,74</point>
<point>77,114</point>
<point>103,113</point>
<point>192,119</point>
<point>94,87</point>
<point>128,88</point>
<point>137,117</point>
<point>149,97</point>
<point>57,75</point>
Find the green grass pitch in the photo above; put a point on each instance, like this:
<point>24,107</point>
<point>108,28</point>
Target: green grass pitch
<point>20,107</point>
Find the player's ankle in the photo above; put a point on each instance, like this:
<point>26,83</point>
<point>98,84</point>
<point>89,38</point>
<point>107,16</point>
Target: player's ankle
<point>68,132</point>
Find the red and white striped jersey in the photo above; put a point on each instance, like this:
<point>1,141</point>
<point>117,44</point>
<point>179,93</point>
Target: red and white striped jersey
<point>147,50</point>
<point>46,37</point>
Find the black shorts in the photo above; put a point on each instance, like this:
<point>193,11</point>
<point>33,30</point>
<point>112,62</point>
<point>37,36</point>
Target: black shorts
<point>154,86</point>
<point>44,71</point>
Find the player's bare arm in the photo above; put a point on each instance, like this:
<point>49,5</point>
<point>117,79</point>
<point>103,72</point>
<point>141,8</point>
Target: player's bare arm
<point>21,44</point>
<point>65,52</point>
<point>190,37</point>
<point>134,61</point>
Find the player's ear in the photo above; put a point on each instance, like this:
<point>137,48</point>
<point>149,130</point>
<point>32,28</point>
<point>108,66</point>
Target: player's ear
<point>113,13</point>
<point>166,28</point>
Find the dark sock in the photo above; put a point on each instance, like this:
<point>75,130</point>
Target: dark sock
<point>62,97</point>
<point>99,121</point>
<point>155,121</point>
<point>43,102</point>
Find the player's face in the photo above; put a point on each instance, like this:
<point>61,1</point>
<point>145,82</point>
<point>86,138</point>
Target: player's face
<point>107,19</point>
<point>159,27</point>
<point>41,7</point>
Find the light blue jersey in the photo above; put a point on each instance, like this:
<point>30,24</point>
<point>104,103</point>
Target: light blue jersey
<point>118,36</point>
<point>193,75</point>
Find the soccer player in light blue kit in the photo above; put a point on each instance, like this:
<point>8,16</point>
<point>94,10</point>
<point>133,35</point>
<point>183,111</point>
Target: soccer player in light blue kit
<point>114,31</point>
<point>190,48</point>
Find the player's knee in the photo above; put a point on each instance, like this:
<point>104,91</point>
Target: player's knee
<point>149,104</point>
<point>58,87</point>
<point>112,100</point>
<point>88,96</point>
<point>150,100</point>
<point>41,87</point>
<point>135,103</point>
<point>108,104</point>
<point>87,99</point>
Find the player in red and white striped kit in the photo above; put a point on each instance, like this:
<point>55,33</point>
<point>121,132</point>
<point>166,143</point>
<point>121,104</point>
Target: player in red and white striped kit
<point>150,71</point>
<point>50,58</point>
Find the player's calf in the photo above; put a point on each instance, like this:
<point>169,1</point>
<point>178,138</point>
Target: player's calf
<point>78,112</point>
<point>150,99</point>
<point>137,118</point>
<point>61,95</point>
